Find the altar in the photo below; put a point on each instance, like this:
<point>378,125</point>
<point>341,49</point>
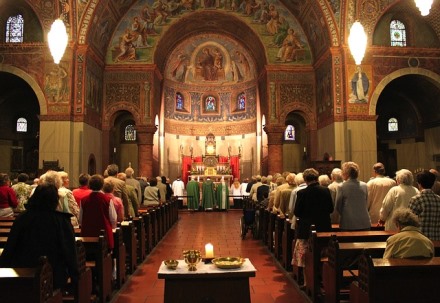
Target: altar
<point>210,164</point>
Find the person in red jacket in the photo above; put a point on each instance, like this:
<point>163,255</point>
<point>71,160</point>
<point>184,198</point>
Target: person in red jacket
<point>8,199</point>
<point>97,212</point>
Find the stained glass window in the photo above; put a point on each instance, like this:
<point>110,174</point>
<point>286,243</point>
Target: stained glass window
<point>393,125</point>
<point>398,33</point>
<point>210,104</point>
<point>289,133</point>
<point>241,100</point>
<point>21,125</point>
<point>179,101</point>
<point>14,29</point>
<point>130,133</point>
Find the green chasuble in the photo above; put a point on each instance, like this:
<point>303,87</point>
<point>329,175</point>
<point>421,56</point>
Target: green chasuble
<point>208,197</point>
<point>222,195</point>
<point>193,193</point>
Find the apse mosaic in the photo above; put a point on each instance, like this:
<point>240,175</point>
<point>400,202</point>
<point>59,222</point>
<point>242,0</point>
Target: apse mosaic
<point>210,59</point>
<point>138,33</point>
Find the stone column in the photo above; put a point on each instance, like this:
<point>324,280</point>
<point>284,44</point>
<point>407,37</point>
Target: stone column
<point>145,150</point>
<point>275,135</point>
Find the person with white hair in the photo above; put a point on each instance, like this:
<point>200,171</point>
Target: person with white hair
<point>336,176</point>
<point>397,197</point>
<point>131,180</point>
<point>65,193</point>
<point>409,242</point>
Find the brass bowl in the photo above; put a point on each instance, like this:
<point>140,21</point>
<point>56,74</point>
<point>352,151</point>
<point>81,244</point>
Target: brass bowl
<point>171,264</point>
<point>228,262</point>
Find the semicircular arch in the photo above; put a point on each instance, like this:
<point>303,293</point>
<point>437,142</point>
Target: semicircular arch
<point>31,82</point>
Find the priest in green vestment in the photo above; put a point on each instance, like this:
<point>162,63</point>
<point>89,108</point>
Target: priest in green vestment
<point>222,195</point>
<point>193,193</point>
<point>208,196</point>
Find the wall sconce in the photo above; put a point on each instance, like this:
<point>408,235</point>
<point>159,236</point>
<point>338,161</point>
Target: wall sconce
<point>357,42</point>
<point>424,6</point>
<point>57,39</point>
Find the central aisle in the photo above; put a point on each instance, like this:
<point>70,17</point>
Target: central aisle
<point>192,231</point>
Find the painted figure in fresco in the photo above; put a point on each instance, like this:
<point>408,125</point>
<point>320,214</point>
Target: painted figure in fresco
<point>261,9</point>
<point>139,32</point>
<point>179,69</point>
<point>206,63</point>
<point>279,37</point>
<point>160,12</point>
<point>359,86</point>
<point>147,16</point>
<point>210,103</point>
<point>209,3</point>
<point>286,53</point>
<point>128,52</point>
<point>272,24</point>
<point>218,59</point>
<point>242,68</point>
<point>56,84</point>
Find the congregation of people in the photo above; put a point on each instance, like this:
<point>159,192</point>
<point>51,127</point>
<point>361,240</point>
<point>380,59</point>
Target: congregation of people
<point>408,206</point>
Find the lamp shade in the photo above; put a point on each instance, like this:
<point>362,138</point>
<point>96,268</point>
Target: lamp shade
<point>57,39</point>
<point>424,6</point>
<point>357,42</point>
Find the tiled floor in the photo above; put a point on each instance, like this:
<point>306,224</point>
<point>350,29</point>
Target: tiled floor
<point>222,229</point>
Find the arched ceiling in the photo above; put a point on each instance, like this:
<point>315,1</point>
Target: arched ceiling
<point>210,22</point>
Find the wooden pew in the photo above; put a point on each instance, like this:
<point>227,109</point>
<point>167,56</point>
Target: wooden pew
<point>129,236</point>
<point>145,215</point>
<point>140,239</point>
<point>341,268</point>
<point>278,237</point>
<point>119,254</point>
<point>396,280</point>
<point>286,245</point>
<point>318,241</point>
<point>33,285</point>
<point>82,293</point>
<point>271,231</point>
<point>99,259</point>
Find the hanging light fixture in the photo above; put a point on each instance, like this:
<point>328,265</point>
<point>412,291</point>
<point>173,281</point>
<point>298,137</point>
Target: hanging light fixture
<point>424,6</point>
<point>357,42</point>
<point>57,39</point>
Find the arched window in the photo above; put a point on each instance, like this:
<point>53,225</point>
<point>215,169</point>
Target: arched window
<point>397,33</point>
<point>21,125</point>
<point>393,125</point>
<point>130,133</point>
<point>179,101</point>
<point>241,101</point>
<point>289,133</point>
<point>14,29</point>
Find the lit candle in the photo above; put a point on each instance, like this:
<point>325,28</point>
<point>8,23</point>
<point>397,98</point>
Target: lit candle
<point>305,150</point>
<point>209,251</point>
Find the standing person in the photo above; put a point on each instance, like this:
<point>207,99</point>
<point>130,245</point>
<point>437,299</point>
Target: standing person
<point>397,197</point>
<point>193,194</point>
<point>83,190</point>
<point>263,189</point>
<point>409,242</point>
<point>8,200</point>
<point>237,195</point>
<point>108,189</point>
<point>253,191</point>
<point>131,180</point>
<point>162,189</point>
<point>378,188</point>
<point>98,212</point>
<point>222,195</point>
<point>208,196</point>
<point>152,194</point>
<point>66,193</point>
<point>133,202</point>
<point>337,180</point>
<point>120,189</point>
<point>22,191</point>
<point>351,200</point>
<point>43,231</point>
<point>178,188</point>
<point>426,205</point>
<point>313,206</point>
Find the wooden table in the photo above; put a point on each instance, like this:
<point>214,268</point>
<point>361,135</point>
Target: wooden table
<point>207,284</point>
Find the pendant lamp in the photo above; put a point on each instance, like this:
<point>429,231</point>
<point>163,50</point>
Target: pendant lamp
<point>357,42</point>
<point>57,39</point>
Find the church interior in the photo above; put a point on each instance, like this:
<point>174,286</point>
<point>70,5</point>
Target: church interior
<point>271,84</point>
<point>218,89</point>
